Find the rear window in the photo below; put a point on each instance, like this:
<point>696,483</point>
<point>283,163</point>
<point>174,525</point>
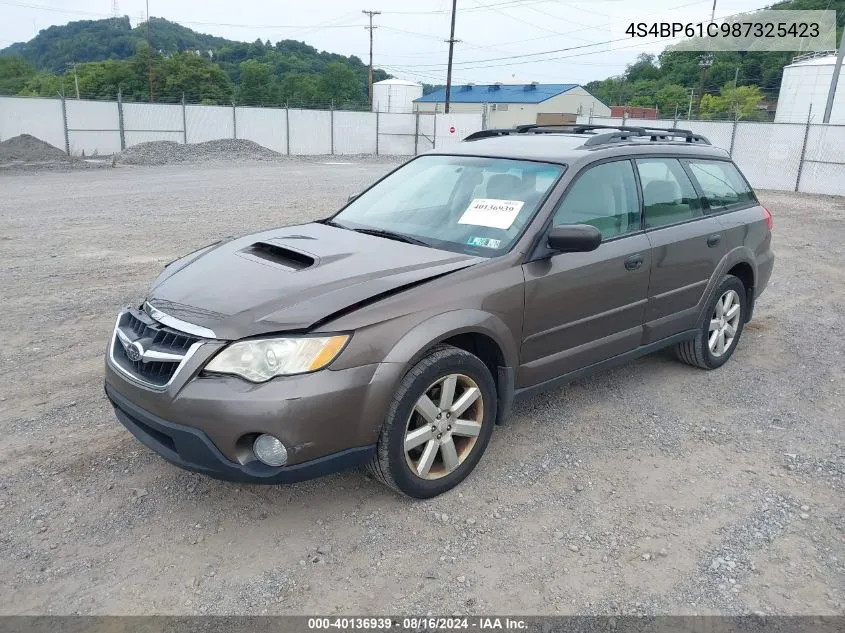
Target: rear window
<point>721,184</point>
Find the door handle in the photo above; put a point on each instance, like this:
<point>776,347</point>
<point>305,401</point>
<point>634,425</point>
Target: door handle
<point>634,262</point>
<point>714,239</point>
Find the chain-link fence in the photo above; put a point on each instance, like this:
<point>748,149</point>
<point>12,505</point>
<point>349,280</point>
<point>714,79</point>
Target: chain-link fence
<point>805,157</point>
<point>97,128</point>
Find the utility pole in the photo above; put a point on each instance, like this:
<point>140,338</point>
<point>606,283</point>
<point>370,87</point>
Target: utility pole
<point>691,96</point>
<point>370,75</point>
<point>705,60</point>
<point>831,93</point>
<point>451,52</point>
<point>152,52</point>
<point>75,78</point>
<point>735,104</point>
<point>713,12</point>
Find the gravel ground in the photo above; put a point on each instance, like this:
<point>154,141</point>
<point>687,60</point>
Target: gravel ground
<point>654,488</point>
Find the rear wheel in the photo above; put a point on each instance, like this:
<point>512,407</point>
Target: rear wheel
<point>721,328</point>
<point>438,424</point>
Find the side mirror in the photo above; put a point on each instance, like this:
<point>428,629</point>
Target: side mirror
<point>574,238</point>
<point>352,197</point>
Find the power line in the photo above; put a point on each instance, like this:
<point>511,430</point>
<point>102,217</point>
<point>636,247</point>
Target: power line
<point>465,66</point>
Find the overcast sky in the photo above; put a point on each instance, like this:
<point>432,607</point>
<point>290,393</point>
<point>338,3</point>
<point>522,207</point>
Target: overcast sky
<point>409,41</point>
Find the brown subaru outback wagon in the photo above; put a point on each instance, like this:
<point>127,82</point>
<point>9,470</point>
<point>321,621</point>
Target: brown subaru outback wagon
<point>398,332</point>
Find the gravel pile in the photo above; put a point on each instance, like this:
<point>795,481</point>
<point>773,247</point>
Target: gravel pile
<point>168,152</point>
<point>28,149</point>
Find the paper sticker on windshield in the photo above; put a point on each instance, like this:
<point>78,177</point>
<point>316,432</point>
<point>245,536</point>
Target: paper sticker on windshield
<point>497,214</point>
<point>484,242</point>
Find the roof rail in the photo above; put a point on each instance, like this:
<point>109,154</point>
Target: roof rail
<point>620,133</point>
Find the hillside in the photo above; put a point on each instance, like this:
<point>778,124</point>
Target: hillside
<point>167,59</point>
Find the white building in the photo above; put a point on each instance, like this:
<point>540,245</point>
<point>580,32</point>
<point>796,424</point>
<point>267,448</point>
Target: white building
<point>395,95</point>
<point>516,104</point>
<point>806,82</point>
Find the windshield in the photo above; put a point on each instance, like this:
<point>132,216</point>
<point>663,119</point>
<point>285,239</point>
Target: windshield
<point>458,203</point>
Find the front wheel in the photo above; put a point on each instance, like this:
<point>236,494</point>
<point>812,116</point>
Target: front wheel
<point>721,328</point>
<point>438,424</point>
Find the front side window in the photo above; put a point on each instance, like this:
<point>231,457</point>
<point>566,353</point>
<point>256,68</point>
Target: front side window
<point>721,183</point>
<point>460,203</point>
<point>668,194</point>
<point>605,196</point>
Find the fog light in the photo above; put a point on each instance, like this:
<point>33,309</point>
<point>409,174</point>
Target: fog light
<point>270,450</point>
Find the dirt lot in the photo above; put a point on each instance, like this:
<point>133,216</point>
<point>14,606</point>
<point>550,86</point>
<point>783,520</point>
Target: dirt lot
<point>654,488</point>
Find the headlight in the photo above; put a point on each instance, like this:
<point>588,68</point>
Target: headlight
<point>260,360</point>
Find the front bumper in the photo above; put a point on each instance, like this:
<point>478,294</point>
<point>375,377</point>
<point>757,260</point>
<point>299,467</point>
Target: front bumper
<point>192,449</point>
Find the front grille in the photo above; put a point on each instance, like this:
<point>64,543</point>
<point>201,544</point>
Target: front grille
<point>164,348</point>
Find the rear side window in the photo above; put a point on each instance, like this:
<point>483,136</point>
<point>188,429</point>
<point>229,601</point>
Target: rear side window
<point>605,196</point>
<point>668,194</point>
<point>721,184</point>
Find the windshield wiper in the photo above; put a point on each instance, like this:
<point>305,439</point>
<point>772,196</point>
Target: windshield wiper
<point>391,235</point>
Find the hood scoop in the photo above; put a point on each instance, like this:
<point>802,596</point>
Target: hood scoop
<point>270,253</point>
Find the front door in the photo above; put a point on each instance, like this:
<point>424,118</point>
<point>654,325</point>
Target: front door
<point>582,308</point>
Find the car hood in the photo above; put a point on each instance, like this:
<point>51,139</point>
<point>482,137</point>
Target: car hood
<point>292,279</point>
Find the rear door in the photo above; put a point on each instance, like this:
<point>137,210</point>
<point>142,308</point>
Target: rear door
<point>582,308</point>
<point>686,247</point>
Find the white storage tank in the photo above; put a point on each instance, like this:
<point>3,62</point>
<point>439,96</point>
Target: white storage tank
<point>806,81</point>
<point>395,95</point>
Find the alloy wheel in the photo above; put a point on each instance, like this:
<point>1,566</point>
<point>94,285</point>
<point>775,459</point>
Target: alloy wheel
<point>724,323</point>
<point>443,426</point>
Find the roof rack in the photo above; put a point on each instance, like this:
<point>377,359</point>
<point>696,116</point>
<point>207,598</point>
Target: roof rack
<point>621,133</point>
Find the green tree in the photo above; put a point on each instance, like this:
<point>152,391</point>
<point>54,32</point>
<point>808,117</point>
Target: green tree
<point>338,83</point>
<point>15,72</point>
<point>671,97</point>
<point>200,80</point>
<point>46,85</point>
<point>733,101</point>
<point>257,84</point>
<point>298,89</point>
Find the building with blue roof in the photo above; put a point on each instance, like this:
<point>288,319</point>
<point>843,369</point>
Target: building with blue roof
<point>509,104</point>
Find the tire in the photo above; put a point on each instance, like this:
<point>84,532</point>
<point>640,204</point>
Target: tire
<point>398,468</point>
<point>697,351</point>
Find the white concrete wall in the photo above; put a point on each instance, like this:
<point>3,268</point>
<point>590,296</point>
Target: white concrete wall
<point>41,118</point>
<point>310,132</point>
<point>768,153</point>
<point>93,127</point>
<point>207,123</point>
<point>396,134</point>
<point>145,122</point>
<point>265,126</point>
<point>354,132</point>
<point>824,160</point>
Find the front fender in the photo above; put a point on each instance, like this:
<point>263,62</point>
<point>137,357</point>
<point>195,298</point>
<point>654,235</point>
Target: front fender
<point>443,326</point>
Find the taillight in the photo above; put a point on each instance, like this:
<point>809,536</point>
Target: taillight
<point>767,215</point>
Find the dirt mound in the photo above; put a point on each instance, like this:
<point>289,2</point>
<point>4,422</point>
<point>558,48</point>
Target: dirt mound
<point>28,149</point>
<point>168,152</point>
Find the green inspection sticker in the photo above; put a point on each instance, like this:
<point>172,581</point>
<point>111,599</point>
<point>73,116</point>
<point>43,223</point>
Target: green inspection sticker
<point>484,242</point>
